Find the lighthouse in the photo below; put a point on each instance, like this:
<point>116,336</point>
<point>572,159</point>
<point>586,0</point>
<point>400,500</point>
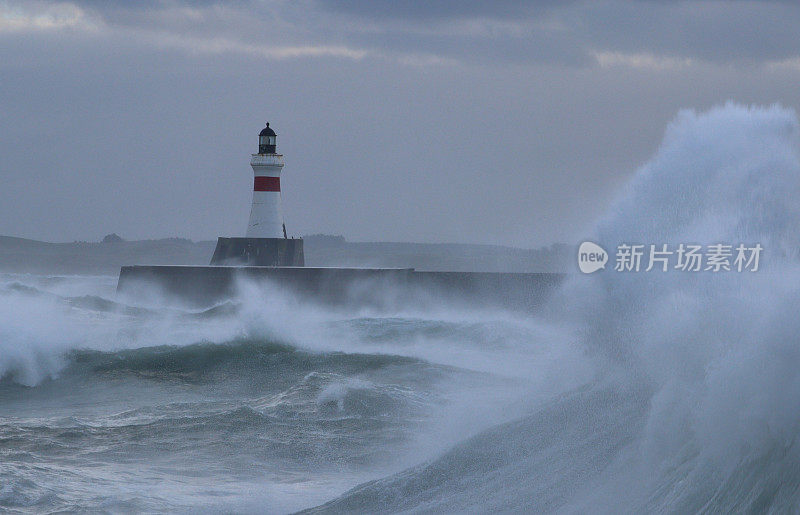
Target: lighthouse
<point>266,217</point>
<point>266,242</point>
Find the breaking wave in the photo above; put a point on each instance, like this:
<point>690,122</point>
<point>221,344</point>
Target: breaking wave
<point>693,409</point>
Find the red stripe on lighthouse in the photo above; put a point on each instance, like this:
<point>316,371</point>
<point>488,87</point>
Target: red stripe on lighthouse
<point>267,184</point>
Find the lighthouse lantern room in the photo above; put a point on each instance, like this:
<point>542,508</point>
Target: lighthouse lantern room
<point>266,141</point>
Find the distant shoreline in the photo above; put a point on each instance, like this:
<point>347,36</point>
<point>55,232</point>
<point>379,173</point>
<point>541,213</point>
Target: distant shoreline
<point>21,255</point>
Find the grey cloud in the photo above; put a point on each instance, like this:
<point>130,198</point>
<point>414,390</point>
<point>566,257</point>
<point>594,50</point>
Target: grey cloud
<point>544,31</point>
<point>571,33</point>
<point>440,9</point>
<point>503,31</point>
<point>722,32</point>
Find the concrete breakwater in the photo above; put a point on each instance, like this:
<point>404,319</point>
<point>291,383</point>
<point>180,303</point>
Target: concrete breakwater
<point>208,285</point>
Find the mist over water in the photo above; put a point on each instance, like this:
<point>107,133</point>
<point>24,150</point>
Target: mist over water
<point>628,392</point>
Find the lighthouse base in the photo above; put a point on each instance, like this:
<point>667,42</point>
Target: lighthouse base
<point>258,252</point>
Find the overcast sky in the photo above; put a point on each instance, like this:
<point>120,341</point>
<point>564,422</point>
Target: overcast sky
<point>468,121</point>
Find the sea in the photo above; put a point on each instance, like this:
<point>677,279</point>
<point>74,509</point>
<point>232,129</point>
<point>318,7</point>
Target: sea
<point>626,392</point>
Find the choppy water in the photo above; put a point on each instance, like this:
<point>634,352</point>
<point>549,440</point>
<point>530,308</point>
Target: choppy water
<point>262,404</point>
<point>639,392</point>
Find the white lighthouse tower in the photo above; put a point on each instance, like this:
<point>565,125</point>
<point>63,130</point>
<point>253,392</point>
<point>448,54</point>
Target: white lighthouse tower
<point>266,217</point>
<point>266,242</point>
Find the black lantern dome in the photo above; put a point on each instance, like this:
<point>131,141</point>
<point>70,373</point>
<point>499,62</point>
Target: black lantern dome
<point>266,141</point>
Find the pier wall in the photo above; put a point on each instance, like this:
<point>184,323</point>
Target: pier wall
<point>207,285</point>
